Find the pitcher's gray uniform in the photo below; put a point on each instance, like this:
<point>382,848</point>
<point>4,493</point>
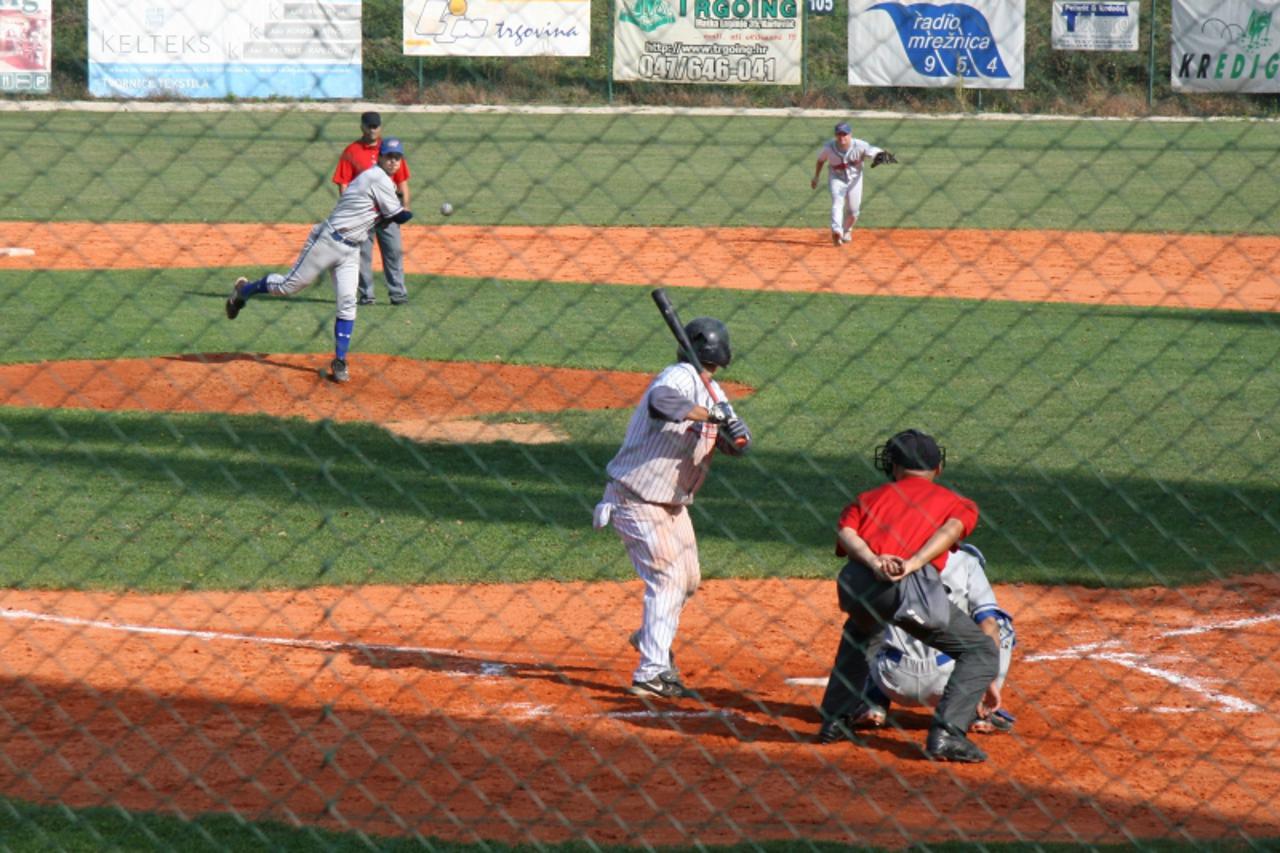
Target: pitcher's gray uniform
<point>334,245</point>
<point>910,673</point>
<point>844,179</point>
<point>662,463</point>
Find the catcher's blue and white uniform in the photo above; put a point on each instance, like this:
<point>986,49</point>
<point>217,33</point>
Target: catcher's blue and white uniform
<point>910,673</point>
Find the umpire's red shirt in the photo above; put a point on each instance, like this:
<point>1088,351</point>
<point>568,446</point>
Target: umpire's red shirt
<point>899,517</point>
<point>357,157</point>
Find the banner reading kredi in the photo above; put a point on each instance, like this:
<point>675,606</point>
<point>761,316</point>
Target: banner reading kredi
<point>1226,46</point>
<point>26,45</point>
<point>708,41</point>
<point>979,44</point>
<point>216,48</point>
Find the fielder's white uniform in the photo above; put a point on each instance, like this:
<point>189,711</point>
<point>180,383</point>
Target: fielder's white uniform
<point>909,672</point>
<point>334,244</point>
<point>652,480</point>
<point>844,179</point>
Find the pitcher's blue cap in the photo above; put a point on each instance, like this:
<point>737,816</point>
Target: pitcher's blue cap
<point>391,145</point>
<point>843,127</point>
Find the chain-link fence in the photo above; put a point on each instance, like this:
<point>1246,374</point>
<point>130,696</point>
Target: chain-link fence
<point>406,556</point>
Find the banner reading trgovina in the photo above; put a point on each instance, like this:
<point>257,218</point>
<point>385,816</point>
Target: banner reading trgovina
<point>708,41</point>
<point>497,28</point>
<point>979,45</point>
<point>1226,46</point>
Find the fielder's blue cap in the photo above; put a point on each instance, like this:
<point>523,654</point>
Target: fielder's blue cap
<point>843,127</point>
<point>391,145</point>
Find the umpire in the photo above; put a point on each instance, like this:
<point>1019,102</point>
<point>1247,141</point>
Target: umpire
<point>905,526</point>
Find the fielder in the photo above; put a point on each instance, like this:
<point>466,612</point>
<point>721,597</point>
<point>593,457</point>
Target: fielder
<point>664,458</point>
<point>844,157</point>
<point>334,245</point>
<point>906,671</point>
<point>889,533</point>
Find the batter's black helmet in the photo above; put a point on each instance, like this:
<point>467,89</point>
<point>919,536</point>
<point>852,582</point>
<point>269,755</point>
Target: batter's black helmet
<point>913,450</point>
<point>710,339</point>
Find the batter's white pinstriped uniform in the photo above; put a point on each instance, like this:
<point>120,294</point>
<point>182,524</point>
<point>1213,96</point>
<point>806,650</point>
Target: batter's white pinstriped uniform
<point>909,672</point>
<point>652,481</point>
<point>334,244</point>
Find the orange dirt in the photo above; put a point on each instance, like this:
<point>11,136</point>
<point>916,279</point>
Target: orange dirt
<point>497,712</point>
<point>1174,270</point>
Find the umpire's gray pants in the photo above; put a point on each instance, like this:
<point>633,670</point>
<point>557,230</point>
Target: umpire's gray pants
<point>392,250</point>
<point>870,604</point>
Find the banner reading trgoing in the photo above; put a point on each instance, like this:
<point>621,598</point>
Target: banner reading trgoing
<point>708,41</point>
<point>979,44</point>
<point>1225,46</point>
<point>216,48</point>
<point>497,27</point>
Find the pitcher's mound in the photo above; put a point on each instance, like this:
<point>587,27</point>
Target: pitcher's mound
<point>421,400</point>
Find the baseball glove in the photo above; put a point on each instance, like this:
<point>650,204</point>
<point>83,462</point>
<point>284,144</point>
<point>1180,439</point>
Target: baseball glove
<point>882,158</point>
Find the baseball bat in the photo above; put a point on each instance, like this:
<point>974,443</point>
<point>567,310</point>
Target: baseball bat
<point>668,312</point>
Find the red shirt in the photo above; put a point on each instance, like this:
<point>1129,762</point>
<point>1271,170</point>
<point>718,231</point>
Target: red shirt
<point>899,517</point>
<point>357,157</point>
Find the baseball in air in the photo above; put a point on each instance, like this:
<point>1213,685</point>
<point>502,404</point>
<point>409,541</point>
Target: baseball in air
<point>446,209</point>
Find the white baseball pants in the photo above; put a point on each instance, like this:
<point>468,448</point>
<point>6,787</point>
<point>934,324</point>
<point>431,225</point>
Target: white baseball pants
<point>660,542</point>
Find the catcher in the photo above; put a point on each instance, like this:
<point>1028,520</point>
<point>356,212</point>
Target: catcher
<point>844,157</point>
<point>906,671</point>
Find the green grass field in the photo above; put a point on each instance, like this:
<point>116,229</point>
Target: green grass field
<point>1106,446</point>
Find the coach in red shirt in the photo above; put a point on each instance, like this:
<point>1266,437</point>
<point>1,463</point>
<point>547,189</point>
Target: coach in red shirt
<point>356,157</point>
<point>905,526</point>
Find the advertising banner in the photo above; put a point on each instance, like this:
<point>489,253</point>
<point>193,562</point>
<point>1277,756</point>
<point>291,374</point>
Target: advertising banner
<point>26,45</point>
<point>497,27</point>
<point>217,48</point>
<point>977,45</point>
<point>708,41</point>
<point>1095,26</point>
<point>1226,46</point>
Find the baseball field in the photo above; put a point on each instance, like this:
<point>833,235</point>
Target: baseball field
<point>246,606</point>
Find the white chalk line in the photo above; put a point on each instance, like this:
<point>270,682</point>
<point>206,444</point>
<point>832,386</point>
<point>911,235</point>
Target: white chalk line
<point>488,668</point>
<point>1102,651</point>
<point>15,252</point>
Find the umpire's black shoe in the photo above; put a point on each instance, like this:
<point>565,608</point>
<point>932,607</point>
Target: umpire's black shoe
<point>235,302</point>
<point>837,729</point>
<point>945,745</point>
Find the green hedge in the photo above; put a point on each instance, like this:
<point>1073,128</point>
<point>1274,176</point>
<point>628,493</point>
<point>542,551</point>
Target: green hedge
<point>1057,82</point>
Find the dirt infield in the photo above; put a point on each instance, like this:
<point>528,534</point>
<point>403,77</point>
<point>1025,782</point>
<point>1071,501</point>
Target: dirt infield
<point>1173,270</point>
<point>498,712</point>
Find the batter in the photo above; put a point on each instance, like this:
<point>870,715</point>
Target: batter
<point>334,245</point>
<point>663,461</point>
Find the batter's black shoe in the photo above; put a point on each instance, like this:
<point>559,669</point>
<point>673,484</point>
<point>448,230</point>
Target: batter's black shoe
<point>665,686</point>
<point>235,301</point>
<point>945,745</point>
<point>338,370</point>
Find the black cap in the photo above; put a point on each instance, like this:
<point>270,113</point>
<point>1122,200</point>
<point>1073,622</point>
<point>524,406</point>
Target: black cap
<point>370,119</point>
<point>912,449</point>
